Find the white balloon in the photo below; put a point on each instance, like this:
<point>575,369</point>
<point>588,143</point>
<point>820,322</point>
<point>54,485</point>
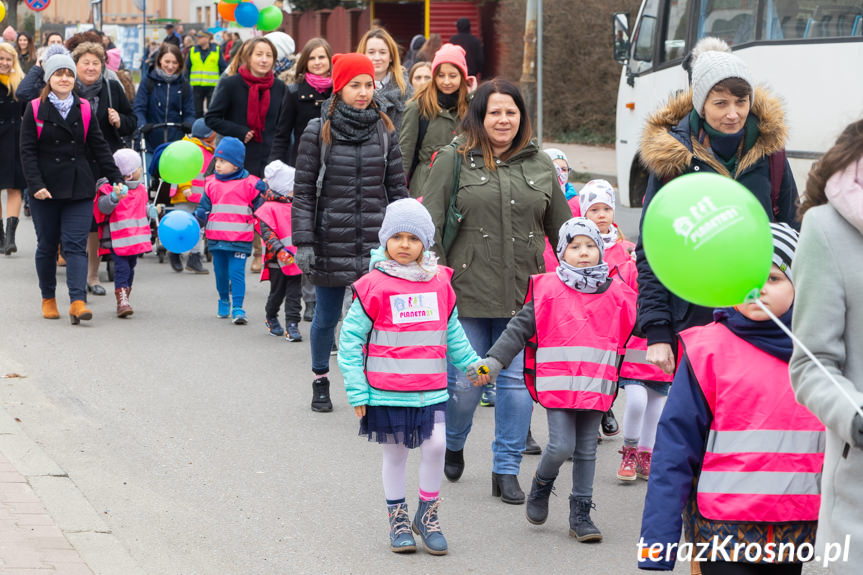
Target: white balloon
<point>261,4</point>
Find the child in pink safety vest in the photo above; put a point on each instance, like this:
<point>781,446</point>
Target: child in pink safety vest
<point>123,215</point>
<point>227,208</point>
<point>274,227</point>
<point>646,385</point>
<point>574,324</point>
<point>735,453</point>
<point>395,342</point>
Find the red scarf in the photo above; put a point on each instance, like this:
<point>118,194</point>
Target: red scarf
<point>259,101</point>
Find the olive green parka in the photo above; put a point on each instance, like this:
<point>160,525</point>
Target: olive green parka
<point>440,132</point>
<point>507,214</point>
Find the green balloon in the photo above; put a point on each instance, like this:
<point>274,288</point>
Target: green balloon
<point>708,240</point>
<point>269,18</point>
<point>181,162</point>
<point>231,1</point>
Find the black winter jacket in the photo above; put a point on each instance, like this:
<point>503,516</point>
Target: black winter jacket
<point>668,150</point>
<point>58,159</point>
<point>227,117</point>
<point>342,225</point>
<point>301,105</point>
<point>11,110</point>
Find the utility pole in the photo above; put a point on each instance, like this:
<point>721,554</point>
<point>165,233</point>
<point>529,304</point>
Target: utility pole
<point>531,66</point>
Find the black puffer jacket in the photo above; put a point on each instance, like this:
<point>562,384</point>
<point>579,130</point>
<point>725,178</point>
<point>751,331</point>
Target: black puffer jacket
<point>342,225</point>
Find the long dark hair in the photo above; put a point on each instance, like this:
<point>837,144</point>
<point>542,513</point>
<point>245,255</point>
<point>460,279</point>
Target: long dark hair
<point>303,60</point>
<point>31,47</point>
<point>847,150</point>
<point>473,124</point>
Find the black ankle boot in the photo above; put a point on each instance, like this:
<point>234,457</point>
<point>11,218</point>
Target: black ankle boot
<point>507,488</point>
<point>9,246</point>
<point>321,395</point>
<point>537,501</point>
<point>531,447</point>
<point>609,424</point>
<point>580,525</point>
<point>453,464</point>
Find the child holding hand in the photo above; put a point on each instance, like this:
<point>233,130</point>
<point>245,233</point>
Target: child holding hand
<point>227,209</point>
<point>574,324</point>
<point>393,350</point>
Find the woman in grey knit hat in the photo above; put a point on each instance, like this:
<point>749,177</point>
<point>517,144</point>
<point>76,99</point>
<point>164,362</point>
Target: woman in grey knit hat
<point>723,125</point>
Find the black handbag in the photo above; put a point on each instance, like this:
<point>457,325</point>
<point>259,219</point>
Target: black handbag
<point>453,219</point>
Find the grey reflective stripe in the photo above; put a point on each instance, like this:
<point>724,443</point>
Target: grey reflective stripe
<point>229,226</point>
<point>130,241</point>
<point>759,482</point>
<point>413,366</point>
<point>766,441</point>
<point>129,223</point>
<point>286,241</point>
<point>575,383</point>
<point>408,338</point>
<point>638,356</point>
<point>231,209</point>
<point>576,353</point>
<point>197,189</point>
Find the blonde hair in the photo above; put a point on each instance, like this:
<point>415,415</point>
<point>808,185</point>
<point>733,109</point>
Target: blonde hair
<point>16,75</point>
<point>426,96</point>
<point>395,67</point>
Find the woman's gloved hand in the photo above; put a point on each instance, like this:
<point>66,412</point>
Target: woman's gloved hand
<point>305,258</point>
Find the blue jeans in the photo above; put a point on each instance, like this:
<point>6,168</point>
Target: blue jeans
<point>328,310</point>
<point>230,271</point>
<point>124,270</point>
<point>67,222</point>
<point>512,408</point>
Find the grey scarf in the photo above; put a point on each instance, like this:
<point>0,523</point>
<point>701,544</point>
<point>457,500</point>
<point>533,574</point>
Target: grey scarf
<point>352,124</point>
<point>161,75</point>
<point>585,280</point>
<point>91,92</point>
<point>413,271</point>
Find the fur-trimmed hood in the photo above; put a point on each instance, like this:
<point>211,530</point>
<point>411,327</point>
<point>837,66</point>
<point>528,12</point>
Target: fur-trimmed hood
<point>667,151</point>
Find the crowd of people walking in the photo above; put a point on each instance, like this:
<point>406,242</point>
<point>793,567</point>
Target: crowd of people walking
<point>413,202</point>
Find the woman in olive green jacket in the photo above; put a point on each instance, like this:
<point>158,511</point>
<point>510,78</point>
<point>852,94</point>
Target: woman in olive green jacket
<point>510,200</point>
<point>432,117</point>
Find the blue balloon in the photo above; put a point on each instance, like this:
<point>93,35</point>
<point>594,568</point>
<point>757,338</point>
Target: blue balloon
<point>179,231</point>
<point>246,14</point>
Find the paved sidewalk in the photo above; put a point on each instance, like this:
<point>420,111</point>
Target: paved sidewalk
<point>30,541</point>
<point>598,162</point>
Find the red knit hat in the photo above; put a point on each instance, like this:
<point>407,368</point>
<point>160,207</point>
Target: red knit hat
<point>346,67</point>
<point>450,54</point>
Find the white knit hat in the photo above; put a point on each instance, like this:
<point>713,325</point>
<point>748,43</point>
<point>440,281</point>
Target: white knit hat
<point>596,192</point>
<point>407,215</point>
<point>280,177</point>
<point>710,68</point>
<point>557,154</point>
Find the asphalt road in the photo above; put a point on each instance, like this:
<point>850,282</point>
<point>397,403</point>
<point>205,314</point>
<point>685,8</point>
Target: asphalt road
<point>193,438</point>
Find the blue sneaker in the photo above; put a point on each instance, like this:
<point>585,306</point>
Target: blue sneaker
<point>239,316</point>
<point>401,539</point>
<point>293,333</point>
<point>427,526</point>
<point>274,327</point>
<point>224,309</point>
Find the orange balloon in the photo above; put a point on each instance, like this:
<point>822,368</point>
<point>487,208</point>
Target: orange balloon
<point>226,11</point>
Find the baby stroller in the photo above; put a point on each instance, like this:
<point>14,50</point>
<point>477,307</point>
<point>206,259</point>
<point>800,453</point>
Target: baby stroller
<point>160,190</point>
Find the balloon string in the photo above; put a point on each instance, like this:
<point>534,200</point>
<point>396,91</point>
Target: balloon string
<point>805,349</point>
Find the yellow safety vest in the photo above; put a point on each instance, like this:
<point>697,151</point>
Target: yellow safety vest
<point>204,72</point>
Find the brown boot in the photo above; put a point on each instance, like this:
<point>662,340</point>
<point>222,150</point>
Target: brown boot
<point>123,307</point>
<point>49,308</point>
<point>78,311</point>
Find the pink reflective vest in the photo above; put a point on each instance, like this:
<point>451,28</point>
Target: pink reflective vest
<point>128,224</point>
<point>571,361</point>
<point>231,216</point>
<point>277,215</point>
<point>407,344</point>
<point>764,453</point>
<point>198,183</point>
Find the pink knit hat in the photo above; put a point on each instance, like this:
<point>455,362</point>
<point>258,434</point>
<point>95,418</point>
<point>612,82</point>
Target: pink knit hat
<point>113,58</point>
<point>450,54</point>
<point>10,35</point>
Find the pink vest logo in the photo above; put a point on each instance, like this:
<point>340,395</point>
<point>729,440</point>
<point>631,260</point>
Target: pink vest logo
<point>414,308</point>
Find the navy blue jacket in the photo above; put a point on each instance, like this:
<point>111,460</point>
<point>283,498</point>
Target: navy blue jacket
<point>165,102</point>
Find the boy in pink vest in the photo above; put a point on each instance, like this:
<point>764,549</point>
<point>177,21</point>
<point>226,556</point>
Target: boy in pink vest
<point>227,208</point>
<point>574,324</point>
<point>285,277</point>
<point>735,452</point>
<point>123,215</point>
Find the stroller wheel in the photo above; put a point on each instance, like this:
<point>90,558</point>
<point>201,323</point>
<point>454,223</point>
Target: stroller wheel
<point>161,254</point>
<point>111,270</point>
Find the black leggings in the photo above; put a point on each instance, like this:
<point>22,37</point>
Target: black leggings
<point>722,568</point>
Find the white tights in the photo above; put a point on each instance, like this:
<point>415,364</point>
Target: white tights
<point>394,470</point>
<point>643,408</point>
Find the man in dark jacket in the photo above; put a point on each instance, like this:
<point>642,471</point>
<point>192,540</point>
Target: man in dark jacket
<point>472,47</point>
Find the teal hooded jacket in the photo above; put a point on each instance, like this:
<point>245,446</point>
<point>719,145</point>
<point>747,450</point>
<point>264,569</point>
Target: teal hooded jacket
<point>355,334</point>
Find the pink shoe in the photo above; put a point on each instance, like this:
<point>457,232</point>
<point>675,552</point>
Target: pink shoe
<point>626,471</point>
<point>642,466</point>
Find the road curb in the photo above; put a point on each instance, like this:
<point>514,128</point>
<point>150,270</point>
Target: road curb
<point>71,511</point>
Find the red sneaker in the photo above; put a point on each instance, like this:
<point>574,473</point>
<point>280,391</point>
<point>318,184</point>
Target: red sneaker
<point>642,466</point>
<point>626,471</point>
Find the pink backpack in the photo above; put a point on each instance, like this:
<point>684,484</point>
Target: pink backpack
<point>85,115</point>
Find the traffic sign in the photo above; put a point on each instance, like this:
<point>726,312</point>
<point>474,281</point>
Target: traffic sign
<point>37,5</point>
